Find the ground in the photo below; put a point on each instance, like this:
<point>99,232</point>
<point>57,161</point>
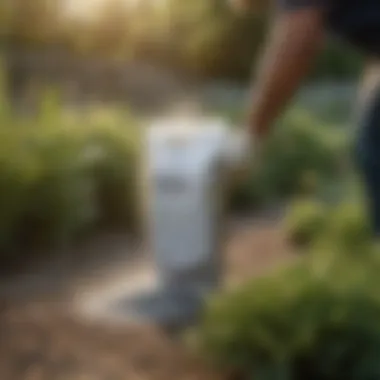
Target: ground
<point>41,339</point>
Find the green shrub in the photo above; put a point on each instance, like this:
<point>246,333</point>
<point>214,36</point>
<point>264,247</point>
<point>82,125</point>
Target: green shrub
<point>19,172</point>
<point>305,222</point>
<point>348,226</point>
<point>116,175</point>
<point>62,175</point>
<point>61,202</point>
<point>343,225</point>
<point>317,321</point>
<point>299,157</point>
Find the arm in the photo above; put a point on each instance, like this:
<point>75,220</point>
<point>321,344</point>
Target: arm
<point>293,45</point>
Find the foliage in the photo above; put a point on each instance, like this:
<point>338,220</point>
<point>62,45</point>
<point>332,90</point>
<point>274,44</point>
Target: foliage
<point>63,174</point>
<point>297,158</point>
<point>348,226</point>
<point>342,225</point>
<point>305,221</point>
<point>201,37</point>
<point>319,319</point>
<point>337,62</point>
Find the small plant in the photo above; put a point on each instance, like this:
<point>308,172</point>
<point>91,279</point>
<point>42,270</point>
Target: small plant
<point>348,226</point>
<point>298,158</point>
<point>305,222</point>
<point>309,321</point>
<point>64,174</point>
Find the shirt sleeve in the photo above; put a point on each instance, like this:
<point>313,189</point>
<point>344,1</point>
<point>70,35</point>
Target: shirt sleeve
<point>299,4</point>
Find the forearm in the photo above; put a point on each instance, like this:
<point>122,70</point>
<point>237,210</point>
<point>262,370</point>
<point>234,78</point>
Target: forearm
<point>292,47</point>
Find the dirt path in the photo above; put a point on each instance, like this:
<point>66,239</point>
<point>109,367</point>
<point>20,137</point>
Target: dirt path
<point>41,341</point>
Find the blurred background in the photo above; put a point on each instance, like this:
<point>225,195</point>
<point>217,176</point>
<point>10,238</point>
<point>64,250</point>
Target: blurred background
<point>79,78</point>
<point>136,52</point>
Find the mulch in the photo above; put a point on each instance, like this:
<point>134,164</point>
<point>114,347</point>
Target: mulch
<point>42,341</point>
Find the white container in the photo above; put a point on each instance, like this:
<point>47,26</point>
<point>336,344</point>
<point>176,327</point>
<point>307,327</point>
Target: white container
<point>186,162</point>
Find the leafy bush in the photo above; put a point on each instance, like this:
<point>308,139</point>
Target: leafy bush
<point>343,225</point>
<point>316,320</point>
<point>298,158</point>
<point>305,222</point>
<point>62,175</point>
<point>348,226</point>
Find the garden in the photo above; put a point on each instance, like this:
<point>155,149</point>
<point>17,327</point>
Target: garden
<point>68,174</point>
<point>65,176</point>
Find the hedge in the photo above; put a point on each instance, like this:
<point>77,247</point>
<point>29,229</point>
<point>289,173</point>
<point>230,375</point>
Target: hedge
<point>310,223</point>
<point>318,320</point>
<point>299,158</point>
<point>64,174</point>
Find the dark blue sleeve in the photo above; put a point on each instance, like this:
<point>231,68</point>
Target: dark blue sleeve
<point>298,4</point>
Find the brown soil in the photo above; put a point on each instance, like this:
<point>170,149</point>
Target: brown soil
<point>42,341</point>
